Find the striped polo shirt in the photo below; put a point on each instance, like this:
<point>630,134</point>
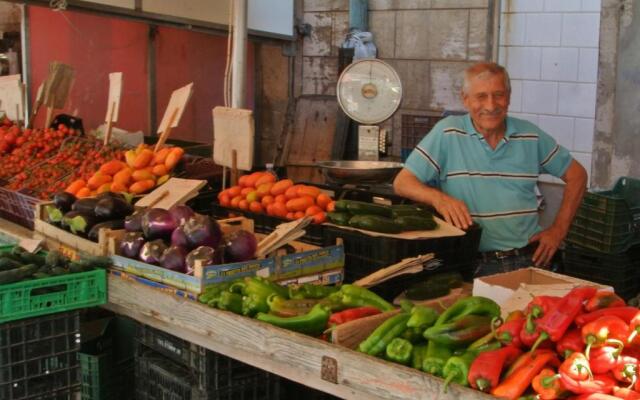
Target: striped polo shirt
<point>498,186</point>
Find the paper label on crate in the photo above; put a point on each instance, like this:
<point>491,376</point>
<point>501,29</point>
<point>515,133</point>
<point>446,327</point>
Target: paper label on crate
<point>31,245</point>
<point>312,261</point>
<point>177,103</point>
<point>115,91</point>
<point>228,272</point>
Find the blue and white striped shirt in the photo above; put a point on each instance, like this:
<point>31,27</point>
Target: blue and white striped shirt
<point>498,186</point>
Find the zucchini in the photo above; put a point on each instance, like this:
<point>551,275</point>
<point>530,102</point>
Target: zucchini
<point>17,274</point>
<point>375,223</point>
<point>362,208</point>
<point>7,263</point>
<point>55,259</point>
<point>30,258</point>
<point>416,223</point>
<point>427,290</point>
<point>40,275</point>
<point>451,279</point>
<point>341,205</point>
<point>339,217</point>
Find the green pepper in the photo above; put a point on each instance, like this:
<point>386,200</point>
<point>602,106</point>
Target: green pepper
<point>230,302</point>
<point>474,305</point>
<point>356,296</point>
<point>213,291</point>
<point>437,355</point>
<point>414,335</point>
<point>399,350</point>
<point>383,334</point>
<point>254,303</point>
<point>484,340</point>
<point>460,332</point>
<point>457,369</point>
<point>418,355</point>
<point>256,290</point>
<point>422,317</point>
<point>313,323</point>
<point>289,308</point>
<point>311,291</point>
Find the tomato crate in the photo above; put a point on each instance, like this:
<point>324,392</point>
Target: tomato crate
<point>17,207</point>
<point>50,295</point>
<point>38,357</point>
<point>166,358</point>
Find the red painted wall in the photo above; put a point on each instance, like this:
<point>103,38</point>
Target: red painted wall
<point>96,45</point>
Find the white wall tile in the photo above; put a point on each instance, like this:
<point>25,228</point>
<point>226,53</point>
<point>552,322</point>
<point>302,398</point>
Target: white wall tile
<point>533,118</point>
<point>559,64</point>
<point>560,128</point>
<point>581,30</point>
<point>585,160</point>
<point>522,5</point>
<point>588,65</point>
<point>516,96</point>
<point>543,29</point>
<point>540,97</point>
<point>591,5</point>
<point>512,28</point>
<point>577,99</point>
<point>562,5</point>
<point>522,62</point>
<point>583,135</point>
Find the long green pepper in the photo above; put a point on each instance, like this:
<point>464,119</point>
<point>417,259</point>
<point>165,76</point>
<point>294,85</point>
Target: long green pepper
<point>474,305</point>
<point>422,317</point>
<point>313,323</point>
<point>356,296</point>
<point>457,369</point>
<point>418,355</point>
<point>384,334</point>
<point>435,359</point>
<point>460,332</point>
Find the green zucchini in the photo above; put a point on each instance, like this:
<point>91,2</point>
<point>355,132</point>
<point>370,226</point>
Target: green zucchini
<point>362,208</point>
<point>17,274</point>
<point>427,290</point>
<point>416,223</point>
<point>375,223</point>
<point>451,279</point>
<point>30,258</point>
<point>7,263</point>
<point>339,217</point>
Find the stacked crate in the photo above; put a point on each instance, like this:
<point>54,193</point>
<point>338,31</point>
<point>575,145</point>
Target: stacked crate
<point>603,244</point>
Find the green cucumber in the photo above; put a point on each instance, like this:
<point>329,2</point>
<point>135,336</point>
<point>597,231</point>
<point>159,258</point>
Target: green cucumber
<point>17,274</point>
<point>416,223</point>
<point>7,264</point>
<point>375,223</point>
<point>339,217</point>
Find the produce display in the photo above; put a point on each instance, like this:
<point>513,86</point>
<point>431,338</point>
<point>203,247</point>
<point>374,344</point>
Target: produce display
<point>382,218</point>
<point>261,192</point>
<point>178,238</point>
<point>19,265</point>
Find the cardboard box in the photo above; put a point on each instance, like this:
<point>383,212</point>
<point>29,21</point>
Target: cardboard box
<point>514,290</point>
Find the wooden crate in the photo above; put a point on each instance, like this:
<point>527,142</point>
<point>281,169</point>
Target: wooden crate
<point>66,242</point>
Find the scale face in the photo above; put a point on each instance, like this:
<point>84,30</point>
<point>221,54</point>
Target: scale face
<point>369,91</point>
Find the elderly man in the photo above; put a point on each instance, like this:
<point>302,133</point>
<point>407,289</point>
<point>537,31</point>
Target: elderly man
<point>483,167</point>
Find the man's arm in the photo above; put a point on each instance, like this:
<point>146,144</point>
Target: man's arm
<point>548,240</point>
<point>452,210</point>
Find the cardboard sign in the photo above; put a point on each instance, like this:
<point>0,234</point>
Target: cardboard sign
<point>115,91</point>
<point>233,129</point>
<point>178,101</point>
<point>174,191</point>
<point>58,85</point>
<point>12,97</point>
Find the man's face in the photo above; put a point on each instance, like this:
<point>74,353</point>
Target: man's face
<point>487,101</point>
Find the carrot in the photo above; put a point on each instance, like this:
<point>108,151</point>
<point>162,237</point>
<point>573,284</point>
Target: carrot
<point>161,155</point>
<point>143,159</point>
<point>312,210</point>
<point>515,384</point>
<point>253,178</point>
<point>281,186</point>
<point>311,191</point>
<point>265,178</point>
<point>159,170</point>
<point>75,186</point>
<point>292,192</point>
<point>83,192</point>
<point>300,203</point>
<point>111,168</point>
<point>142,174</point>
<point>323,201</point>
<point>142,186</point>
<point>98,180</point>
<point>173,157</point>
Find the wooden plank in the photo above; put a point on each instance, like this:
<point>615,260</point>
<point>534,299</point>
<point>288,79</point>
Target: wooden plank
<point>294,356</point>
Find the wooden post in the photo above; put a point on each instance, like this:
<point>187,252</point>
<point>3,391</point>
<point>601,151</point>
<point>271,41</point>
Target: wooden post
<point>107,133</point>
<point>239,59</point>
<point>166,132</point>
<point>234,167</point>
<point>47,120</point>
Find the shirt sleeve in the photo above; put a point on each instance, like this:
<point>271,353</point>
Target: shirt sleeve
<point>427,159</point>
<point>553,158</point>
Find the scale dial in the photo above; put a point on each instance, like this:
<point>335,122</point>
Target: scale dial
<point>369,91</point>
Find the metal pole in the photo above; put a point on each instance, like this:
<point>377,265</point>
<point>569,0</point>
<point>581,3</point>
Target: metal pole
<point>359,15</point>
<point>239,56</point>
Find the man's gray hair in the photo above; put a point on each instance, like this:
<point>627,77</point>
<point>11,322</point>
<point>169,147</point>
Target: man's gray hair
<point>485,70</point>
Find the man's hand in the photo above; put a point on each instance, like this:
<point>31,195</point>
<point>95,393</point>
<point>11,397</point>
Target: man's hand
<point>454,211</point>
<point>548,242</point>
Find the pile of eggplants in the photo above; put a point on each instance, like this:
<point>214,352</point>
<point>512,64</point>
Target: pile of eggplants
<point>178,238</point>
<point>85,217</point>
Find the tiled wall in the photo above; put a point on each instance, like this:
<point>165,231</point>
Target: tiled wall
<point>550,48</point>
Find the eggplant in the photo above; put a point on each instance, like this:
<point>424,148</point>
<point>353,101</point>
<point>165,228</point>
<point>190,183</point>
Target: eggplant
<point>133,222</point>
<point>240,246</point>
<point>63,201</point>
<point>111,195</point>
<point>113,208</point>
<point>151,252</point>
<point>131,244</point>
<point>179,238</point>
<point>157,223</point>
<point>201,230</point>
<point>80,222</point>
<point>205,254</point>
<point>173,258</point>
<point>181,213</point>
<point>94,233</point>
<point>86,205</point>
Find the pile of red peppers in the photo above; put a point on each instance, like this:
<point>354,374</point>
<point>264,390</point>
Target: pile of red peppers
<point>584,346</point>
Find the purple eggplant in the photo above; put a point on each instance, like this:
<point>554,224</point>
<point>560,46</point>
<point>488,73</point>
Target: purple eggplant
<point>202,231</point>
<point>181,213</point>
<point>173,258</point>
<point>131,244</point>
<point>206,255</point>
<point>178,238</point>
<point>157,223</point>
<point>240,246</point>
<point>133,222</point>
<point>151,252</point>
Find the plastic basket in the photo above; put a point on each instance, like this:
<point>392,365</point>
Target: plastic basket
<point>416,127</point>
<point>50,295</point>
<point>17,207</point>
<point>38,357</point>
<point>102,379</point>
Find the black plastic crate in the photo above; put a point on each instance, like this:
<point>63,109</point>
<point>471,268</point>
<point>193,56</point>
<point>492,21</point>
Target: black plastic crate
<point>295,390</point>
<point>365,254</point>
<point>38,357</point>
<point>210,371</point>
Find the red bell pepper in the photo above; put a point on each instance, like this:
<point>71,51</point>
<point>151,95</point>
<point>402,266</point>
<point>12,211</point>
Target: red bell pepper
<point>604,299</point>
<point>626,369</point>
<point>634,327</point>
<point>625,393</point>
<point>605,330</point>
<point>485,370</point>
<point>603,359</point>
<point>556,322</point>
<point>351,314</point>
<point>576,366</point>
<point>570,342</point>
<point>530,365</point>
<point>509,332</point>
<point>624,313</point>
<point>547,385</point>
<point>595,396</point>
<point>597,384</point>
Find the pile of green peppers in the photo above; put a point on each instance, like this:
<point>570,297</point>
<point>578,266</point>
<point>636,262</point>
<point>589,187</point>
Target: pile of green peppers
<point>444,344</point>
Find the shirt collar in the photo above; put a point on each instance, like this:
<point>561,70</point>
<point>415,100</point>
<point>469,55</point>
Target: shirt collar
<point>511,129</point>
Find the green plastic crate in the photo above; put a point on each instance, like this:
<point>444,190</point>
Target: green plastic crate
<point>103,379</point>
